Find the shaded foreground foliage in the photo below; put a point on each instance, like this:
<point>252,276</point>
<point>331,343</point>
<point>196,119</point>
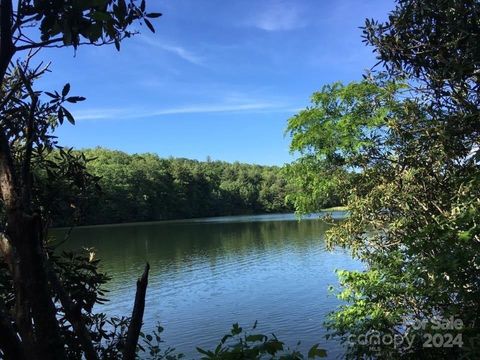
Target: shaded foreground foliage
<point>409,135</point>
<point>46,302</point>
<point>240,344</point>
<point>47,299</point>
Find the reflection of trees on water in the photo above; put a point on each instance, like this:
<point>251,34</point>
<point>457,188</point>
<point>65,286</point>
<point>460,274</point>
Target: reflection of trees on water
<point>179,244</point>
<point>207,274</point>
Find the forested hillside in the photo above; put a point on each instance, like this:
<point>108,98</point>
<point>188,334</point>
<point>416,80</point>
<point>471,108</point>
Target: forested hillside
<point>145,187</point>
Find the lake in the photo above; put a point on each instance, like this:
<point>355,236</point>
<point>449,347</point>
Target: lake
<point>207,274</point>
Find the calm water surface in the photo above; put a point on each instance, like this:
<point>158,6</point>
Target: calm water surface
<point>209,273</point>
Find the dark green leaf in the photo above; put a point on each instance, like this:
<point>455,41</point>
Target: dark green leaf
<point>66,90</point>
<point>316,352</point>
<point>101,16</point>
<point>153,15</point>
<point>149,25</point>
<point>257,337</point>
<point>69,116</point>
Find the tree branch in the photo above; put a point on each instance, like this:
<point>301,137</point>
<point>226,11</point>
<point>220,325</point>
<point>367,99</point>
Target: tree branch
<point>29,141</point>
<point>39,45</point>
<point>35,74</point>
<point>137,316</point>
<point>53,43</point>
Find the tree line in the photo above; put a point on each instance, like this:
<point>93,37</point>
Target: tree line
<point>145,187</point>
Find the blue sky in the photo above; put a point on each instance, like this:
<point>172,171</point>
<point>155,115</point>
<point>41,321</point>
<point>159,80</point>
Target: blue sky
<point>218,78</point>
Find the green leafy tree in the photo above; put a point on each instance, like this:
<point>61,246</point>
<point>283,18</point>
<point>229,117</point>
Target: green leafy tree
<point>145,187</point>
<point>408,136</point>
<point>30,327</point>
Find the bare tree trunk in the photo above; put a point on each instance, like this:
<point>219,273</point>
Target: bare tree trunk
<point>22,309</point>
<point>7,49</point>
<point>137,316</point>
<point>26,258</point>
<point>31,282</point>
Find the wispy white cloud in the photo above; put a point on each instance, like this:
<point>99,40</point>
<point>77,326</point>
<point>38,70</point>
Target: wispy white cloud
<point>177,50</point>
<point>131,112</point>
<point>183,53</point>
<point>213,108</point>
<point>279,15</point>
<point>99,113</point>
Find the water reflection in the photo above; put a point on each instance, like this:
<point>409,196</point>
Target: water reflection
<point>207,274</point>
